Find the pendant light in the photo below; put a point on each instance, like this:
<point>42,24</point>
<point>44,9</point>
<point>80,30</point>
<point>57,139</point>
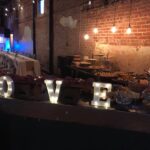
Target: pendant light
<point>86,35</point>
<point>114,29</point>
<point>95,29</point>
<point>129,29</point>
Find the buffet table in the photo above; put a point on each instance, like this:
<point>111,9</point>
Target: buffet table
<point>24,65</point>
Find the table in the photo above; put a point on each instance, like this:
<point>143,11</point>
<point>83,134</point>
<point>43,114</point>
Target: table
<point>88,71</point>
<point>138,122</point>
<point>24,65</point>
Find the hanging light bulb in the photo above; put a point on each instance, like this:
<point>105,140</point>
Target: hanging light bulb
<point>90,3</point>
<point>6,9</point>
<point>33,1</point>
<point>14,8</point>
<point>6,14</point>
<point>95,30</point>
<point>86,37</point>
<point>21,8</point>
<point>113,29</point>
<point>129,30</point>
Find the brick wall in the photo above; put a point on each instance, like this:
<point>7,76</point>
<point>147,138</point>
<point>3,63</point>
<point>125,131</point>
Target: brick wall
<point>140,23</point>
<point>131,52</point>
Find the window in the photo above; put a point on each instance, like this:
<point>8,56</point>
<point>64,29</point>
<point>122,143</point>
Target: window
<point>41,7</point>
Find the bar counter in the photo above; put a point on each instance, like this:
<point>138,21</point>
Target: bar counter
<point>89,116</point>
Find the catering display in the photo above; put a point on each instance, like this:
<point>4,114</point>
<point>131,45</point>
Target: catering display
<point>86,92</point>
<point>102,88</point>
<point>129,92</point>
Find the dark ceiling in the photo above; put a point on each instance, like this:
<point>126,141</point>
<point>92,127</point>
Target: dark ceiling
<point>4,2</point>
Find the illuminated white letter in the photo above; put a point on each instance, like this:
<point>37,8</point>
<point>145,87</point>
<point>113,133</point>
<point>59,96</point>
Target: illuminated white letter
<point>101,95</point>
<point>53,95</point>
<point>10,86</point>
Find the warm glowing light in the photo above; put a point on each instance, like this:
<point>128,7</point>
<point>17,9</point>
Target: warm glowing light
<point>113,29</point>
<point>98,94</point>
<point>6,95</point>
<point>53,94</point>
<point>59,82</point>
<point>95,30</point>
<point>10,88</point>
<point>57,90</point>
<point>89,3</point>
<point>33,1</point>
<point>103,95</point>
<point>6,14</point>
<point>97,85</point>
<point>6,9</point>
<point>21,8</point>
<point>129,30</point>
<point>107,104</point>
<point>50,90</point>
<point>54,99</point>
<point>14,9</point>
<point>4,78</point>
<point>86,37</point>
<point>49,81</point>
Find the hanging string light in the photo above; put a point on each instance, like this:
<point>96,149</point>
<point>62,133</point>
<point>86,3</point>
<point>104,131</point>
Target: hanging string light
<point>86,35</point>
<point>21,8</point>
<point>89,3</point>
<point>129,29</point>
<point>6,12</point>
<point>18,6</point>
<point>6,9</point>
<point>95,29</point>
<point>114,29</point>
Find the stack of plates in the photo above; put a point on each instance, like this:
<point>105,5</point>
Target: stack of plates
<point>85,64</point>
<point>76,59</point>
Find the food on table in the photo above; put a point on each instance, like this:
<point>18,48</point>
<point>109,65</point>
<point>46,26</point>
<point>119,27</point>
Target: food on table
<point>125,96</point>
<point>106,74</point>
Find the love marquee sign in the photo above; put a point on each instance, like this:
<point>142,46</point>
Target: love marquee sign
<point>7,91</point>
